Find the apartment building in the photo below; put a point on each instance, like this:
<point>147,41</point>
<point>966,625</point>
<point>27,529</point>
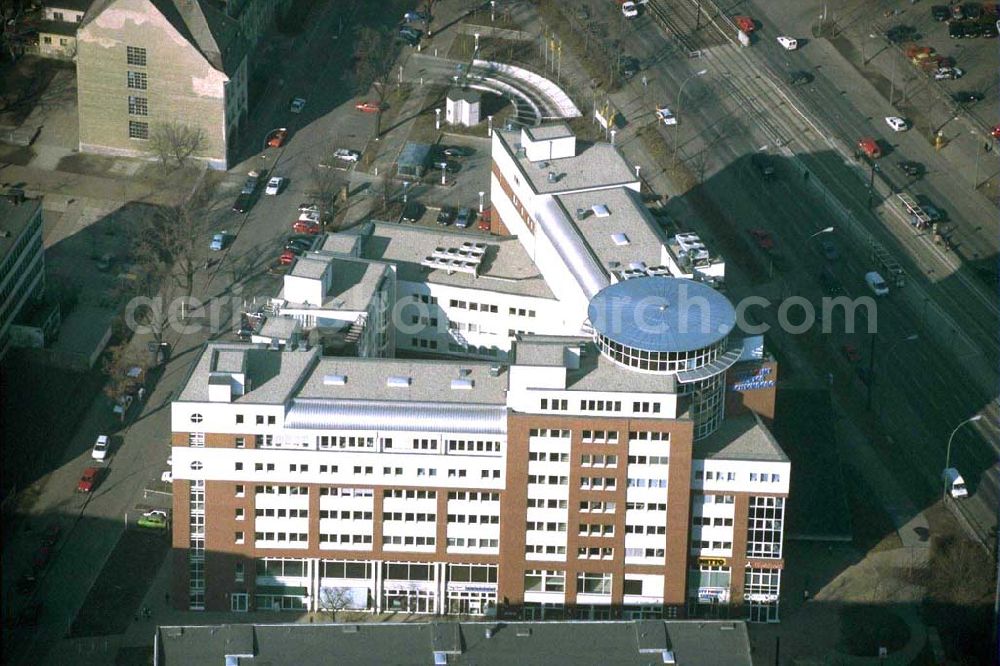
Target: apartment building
<point>620,475</point>
<point>57,27</point>
<point>22,260</point>
<point>144,66</point>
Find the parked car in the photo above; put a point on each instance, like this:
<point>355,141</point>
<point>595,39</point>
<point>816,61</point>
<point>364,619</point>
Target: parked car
<point>799,77</point>
<point>88,480</point>
<point>995,132</point>
<point>897,124</point>
<point>306,227</point>
<point>286,257</point>
<point>967,97</point>
<point>414,17</point>
<point>850,352</point>
<point>310,216</point>
<point>445,215</point>
<point>464,218</point>
<point>218,242</point>
<point>898,34</point>
<point>308,207</point>
<point>299,246</point>
<point>957,12</point>
<point>368,107</point>
<point>869,147</point>
<point>347,155</point>
<point>745,24</point>
<point>457,151</point>
<point>629,9</point>
<point>410,35</point>
<point>972,11</point>
<point>948,74</point>
<point>829,283</point>
<point>957,29</point>
<point>666,115</point>
<point>876,283</point>
<point>100,450</point>
<point>629,67</point>
<point>41,558</point>
<point>486,221</point>
<point>763,163</point>
<point>912,169</point>
<point>297,104</point>
<point>155,521</point>
<point>763,239</point>
<point>830,250</point>
<point>412,211</point>
<point>940,12</point>
<point>788,43</point>
<point>274,185</point>
<point>122,405</point>
<point>156,512</point>
<point>277,138</point>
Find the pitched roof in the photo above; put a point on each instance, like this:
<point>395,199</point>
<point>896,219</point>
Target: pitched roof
<point>215,35</point>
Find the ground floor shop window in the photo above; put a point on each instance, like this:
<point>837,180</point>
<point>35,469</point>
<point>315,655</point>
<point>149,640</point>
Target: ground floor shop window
<point>535,612</point>
<point>408,601</point>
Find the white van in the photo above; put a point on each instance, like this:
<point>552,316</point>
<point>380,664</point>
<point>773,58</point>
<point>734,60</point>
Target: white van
<point>876,283</point>
<point>789,43</point>
<point>955,483</point>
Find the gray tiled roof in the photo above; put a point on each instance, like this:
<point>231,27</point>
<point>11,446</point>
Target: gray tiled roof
<point>742,437</point>
<point>272,375</point>
<point>699,642</point>
<point>506,267</point>
<point>596,165</point>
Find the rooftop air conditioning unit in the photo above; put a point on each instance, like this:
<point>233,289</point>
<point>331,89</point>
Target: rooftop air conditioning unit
<point>334,380</point>
<point>397,382</point>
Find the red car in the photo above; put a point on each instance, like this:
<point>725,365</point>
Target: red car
<point>869,147</point>
<point>851,353</point>
<point>87,480</point>
<point>763,239</point>
<point>745,24</point>
<point>304,227</point>
<point>368,107</point>
<point>286,258</point>
<point>995,132</point>
<point>277,138</point>
<point>485,220</point>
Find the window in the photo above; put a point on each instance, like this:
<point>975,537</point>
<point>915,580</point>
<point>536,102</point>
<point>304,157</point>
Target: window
<point>196,466</point>
<point>765,517</point>
<point>47,39</point>
<point>632,586</point>
<point>241,442</point>
<point>270,420</point>
<point>138,130</point>
<point>135,55</point>
<point>239,572</point>
<point>239,515</point>
<point>63,41</point>
<point>197,418</point>
<point>238,537</point>
<point>260,419</point>
<point>241,490</point>
<point>137,80</point>
<point>593,583</point>
<point>239,418</point>
<point>58,16</point>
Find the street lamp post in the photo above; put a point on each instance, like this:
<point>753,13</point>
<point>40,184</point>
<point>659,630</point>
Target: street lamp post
<point>493,10</point>
<point>680,104</point>
<point>613,132</point>
<point>871,361</point>
<point>437,118</point>
<point>827,230</point>
<point>947,456</point>
<point>444,170</point>
<point>489,126</point>
<point>481,195</point>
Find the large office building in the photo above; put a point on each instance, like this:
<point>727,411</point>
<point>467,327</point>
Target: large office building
<point>561,424</point>
<point>22,260</point>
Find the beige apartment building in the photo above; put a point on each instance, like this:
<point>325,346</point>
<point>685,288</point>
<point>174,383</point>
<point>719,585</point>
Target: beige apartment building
<point>144,64</point>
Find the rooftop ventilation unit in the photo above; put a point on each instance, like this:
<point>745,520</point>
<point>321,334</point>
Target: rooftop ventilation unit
<point>581,213</point>
<point>600,210</point>
<point>668,657</point>
<point>461,384</point>
<point>524,631</point>
<point>464,372</point>
<point>397,382</point>
<point>620,239</point>
<point>334,380</point>
<point>495,370</point>
<point>552,176</point>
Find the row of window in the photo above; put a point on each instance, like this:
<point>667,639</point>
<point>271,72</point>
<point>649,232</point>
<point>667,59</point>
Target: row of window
<point>279,537</point>
<point>644,552</point>
<point>345,515</point>
<point>645,506</point>
<point>645,529</point>
<point>541,549</point>
<point>408,540</point>
<point>649,460</point>
<point>547,503</point>
<point>714,522</point>
<point>474,496</point>
<point>545,527</point>
<point>353,539</point>
<point>714,545</point>
<point>462,542</point>
<point>541,456</point>
<point>473,519</point>
<point>409,517</point>
<point>595,553</point>
<point>598,483</point>
<point>277,513</point>
<point>709,475</point>
<point>598,460</point>
<point>647,483</point>
<point>472,305</point>
<point>596,435</point>
<point>596,530</point>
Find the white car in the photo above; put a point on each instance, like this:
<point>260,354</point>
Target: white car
<point>309,216</point>
<point>948,73</point>
<point>167,477</point>
<point>347,155</point>
<point>274,185</point>
<point>100,450</point>
<point>297,105</point>
<point>788,43</point>
<point>629,9</point>
<point>897,124</point>
<point>162,513</point>
<point>666,115</point>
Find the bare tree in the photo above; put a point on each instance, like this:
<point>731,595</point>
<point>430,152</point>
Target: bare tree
<point>117,361</point>
<point>428,8</point>
<point>166,249</point>
<point>14,32</point>
<point>177,141</point>
<point>333,599</point>
<point>324,187</point>
<point>376,55</point>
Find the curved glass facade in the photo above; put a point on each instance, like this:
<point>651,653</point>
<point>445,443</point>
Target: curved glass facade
<point>707,395</point>
<point>662,362</point>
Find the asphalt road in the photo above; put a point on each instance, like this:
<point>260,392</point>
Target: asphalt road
<point>743,105</point>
